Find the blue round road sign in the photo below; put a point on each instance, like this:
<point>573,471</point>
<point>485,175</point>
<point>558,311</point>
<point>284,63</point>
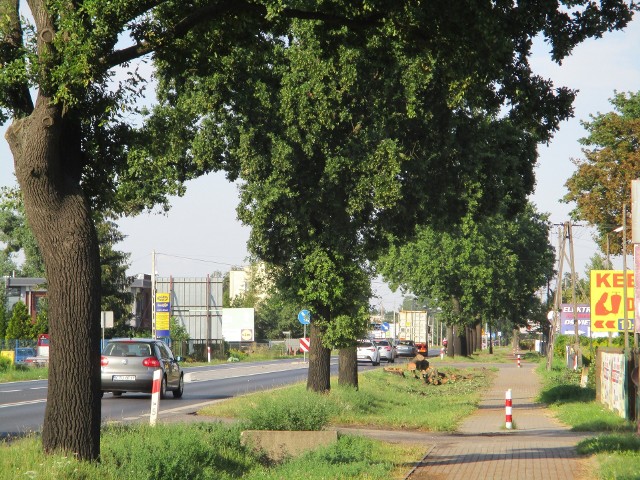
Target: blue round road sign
<point>304,317</point>
<point>385,326</point>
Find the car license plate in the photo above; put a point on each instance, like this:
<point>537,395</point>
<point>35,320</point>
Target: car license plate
<point>123,378</point>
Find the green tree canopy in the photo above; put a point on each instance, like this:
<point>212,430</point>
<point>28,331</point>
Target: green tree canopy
<point>76,149</point>
<point>19,327</point>
<point>483,270</point>
<point>601,183</point>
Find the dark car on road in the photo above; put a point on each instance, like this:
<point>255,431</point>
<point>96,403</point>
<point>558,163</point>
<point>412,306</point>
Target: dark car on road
<point>406,348</point>
<point>127,365</point>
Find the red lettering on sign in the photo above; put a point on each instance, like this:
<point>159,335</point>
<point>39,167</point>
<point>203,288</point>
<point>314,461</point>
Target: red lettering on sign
<point>602,280</point>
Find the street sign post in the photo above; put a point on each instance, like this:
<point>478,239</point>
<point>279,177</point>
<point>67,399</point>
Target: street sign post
<point>304,317</point>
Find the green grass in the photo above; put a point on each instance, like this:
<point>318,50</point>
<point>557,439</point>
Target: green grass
<point>383,400</point>
<point>201,452</point>
<point>20,373</point>
<point>616,452</point>
<point>499,355</point>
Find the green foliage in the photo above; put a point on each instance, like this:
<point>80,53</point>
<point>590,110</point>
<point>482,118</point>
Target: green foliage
<point>310,412</point>
<point>601,182</point>
<point>4,315</point>
<point>276,314</point>
<point>201,452</point>
<point>490,267</point>
<point>382,400</point>
<point>233,353</point>
<point>41,324</point>
<point>610,443</point>
<point>575,405</point>
<point>19,327</point>
<point>177,331</point>
<point>16,234</point>
<point>5,364</point>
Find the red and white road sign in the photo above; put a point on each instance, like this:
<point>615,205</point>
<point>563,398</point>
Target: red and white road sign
<point>304,344</point>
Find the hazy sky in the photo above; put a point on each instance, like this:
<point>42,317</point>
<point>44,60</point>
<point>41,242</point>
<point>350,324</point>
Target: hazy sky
<point>201,234</point>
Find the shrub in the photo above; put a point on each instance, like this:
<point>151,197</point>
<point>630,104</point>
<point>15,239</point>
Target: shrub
<point>309,411</point>
<point>233,353</point>
<point>5,364</point>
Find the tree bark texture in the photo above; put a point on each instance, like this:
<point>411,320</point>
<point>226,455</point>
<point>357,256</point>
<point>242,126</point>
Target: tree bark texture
<point>318,378</point>
<point>46,159</point>
<point>348,367</point>
<point>478,337</point>
<point>451,347</point>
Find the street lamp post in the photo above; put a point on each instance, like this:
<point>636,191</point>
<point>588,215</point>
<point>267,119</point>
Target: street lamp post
<point>623,228</point>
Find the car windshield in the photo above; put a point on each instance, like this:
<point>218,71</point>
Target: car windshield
<point>120,349</point>
<point>382,342</point>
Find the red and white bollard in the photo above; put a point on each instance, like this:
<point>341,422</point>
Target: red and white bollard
<point>442,353</point>
<point>155,396</point>
<point>507,408</point>
<point>519,362</point>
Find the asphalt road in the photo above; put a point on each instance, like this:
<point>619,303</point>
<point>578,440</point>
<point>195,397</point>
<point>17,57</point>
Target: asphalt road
<point>22,404</point>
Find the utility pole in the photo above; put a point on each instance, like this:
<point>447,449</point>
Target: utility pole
<point>153,294</point>
<point>565,232</point>
<point>557,300</point>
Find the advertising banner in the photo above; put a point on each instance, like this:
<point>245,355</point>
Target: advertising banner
<point>607,300</point>
<point>163,311</point>
<point>567,326</point>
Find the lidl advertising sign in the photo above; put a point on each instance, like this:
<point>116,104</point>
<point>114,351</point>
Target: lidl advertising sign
<point>607,300</point>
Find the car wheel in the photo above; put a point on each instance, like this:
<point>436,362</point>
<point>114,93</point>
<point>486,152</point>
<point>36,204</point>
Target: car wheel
<point>163,387</point>
<point>117,394</point>
<point>101,394</point>
<point>177,393</point>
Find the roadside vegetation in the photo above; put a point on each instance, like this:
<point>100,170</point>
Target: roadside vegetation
<point>615,447</point>
<point>9,372</point>
<point>204,451</point>
<point>212,449</point>
<point>383,400</point>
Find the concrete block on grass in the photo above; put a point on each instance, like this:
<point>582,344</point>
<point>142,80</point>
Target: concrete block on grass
<point>278,444</point>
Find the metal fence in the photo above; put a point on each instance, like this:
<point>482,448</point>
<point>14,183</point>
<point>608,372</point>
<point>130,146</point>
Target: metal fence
<point>196,350</point>
<point>13,344</point>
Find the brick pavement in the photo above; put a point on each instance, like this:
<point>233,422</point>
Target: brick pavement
<point>538,447</point>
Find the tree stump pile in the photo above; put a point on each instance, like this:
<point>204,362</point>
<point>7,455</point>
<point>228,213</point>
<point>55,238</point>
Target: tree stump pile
<point>418,365</point>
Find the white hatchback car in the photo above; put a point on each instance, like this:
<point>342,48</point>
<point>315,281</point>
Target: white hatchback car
<point>387,350</point>
<point>368,352</point>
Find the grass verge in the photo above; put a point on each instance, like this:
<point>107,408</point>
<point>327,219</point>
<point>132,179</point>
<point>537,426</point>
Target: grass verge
<point>616,449</point>
<point>202,452</point>
<point>383,400</point>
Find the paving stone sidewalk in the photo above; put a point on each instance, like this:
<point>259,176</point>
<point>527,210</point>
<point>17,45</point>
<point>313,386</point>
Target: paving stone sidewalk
<point>538,447</point>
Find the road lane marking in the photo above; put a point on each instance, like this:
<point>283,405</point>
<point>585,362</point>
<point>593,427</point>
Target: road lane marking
<point>18,404</point>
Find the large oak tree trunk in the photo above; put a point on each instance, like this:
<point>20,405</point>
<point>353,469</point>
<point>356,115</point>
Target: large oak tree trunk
<point>348,367</point>
<point>318,378</point>
<point>46,157</point>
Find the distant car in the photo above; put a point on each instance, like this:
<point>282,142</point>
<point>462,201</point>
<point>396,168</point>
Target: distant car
<point>406,348</point>
<point>127,365</point>
<point>22,353</point>
<point>368,352</point>
<point>387,350</point>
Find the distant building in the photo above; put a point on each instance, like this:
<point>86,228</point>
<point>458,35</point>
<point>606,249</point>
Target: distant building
<point>29,290</point>
<point>243,280</point>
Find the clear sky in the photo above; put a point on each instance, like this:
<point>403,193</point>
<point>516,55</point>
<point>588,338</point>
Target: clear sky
<point>201,235</point>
